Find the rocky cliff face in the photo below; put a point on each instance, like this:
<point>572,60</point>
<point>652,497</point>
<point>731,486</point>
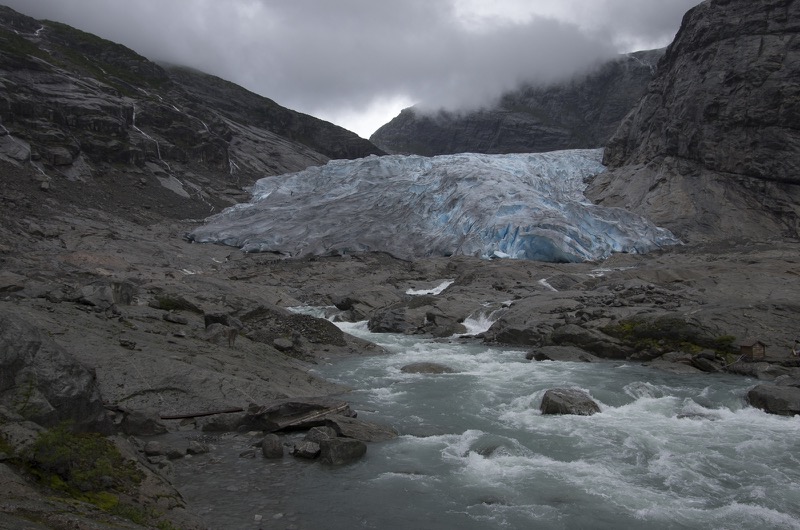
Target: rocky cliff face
<point>713,148</point>
<point>78,108</point>
<point>581,113</point>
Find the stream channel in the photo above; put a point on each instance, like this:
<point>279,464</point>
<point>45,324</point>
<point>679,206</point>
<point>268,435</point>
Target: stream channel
<point>666,451</point>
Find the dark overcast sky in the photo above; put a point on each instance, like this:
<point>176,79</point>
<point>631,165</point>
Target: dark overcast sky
<point>358,62</point>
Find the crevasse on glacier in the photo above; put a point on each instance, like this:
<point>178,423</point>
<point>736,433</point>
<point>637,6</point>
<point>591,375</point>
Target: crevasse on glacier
<point>527,206</point>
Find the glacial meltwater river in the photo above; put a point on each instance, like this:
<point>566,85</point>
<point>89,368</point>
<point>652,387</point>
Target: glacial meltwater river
<point>666,451</point>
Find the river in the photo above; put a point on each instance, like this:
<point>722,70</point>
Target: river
<point>666,451</point>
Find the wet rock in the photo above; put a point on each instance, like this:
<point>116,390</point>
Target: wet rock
<point>365,431</point>
<point>776,399</point>
<point>272,446</point>
<point>426,368</point>
<point>317,434</point>
<point>340,451</point>
<point>306,449</point>
<point>197,448</point>
<point>568,401</point>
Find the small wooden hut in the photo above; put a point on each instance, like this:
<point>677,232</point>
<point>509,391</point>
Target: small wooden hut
<point>753,349</point>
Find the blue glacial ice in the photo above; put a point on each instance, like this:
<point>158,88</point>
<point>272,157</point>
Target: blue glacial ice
<point>528,206</point>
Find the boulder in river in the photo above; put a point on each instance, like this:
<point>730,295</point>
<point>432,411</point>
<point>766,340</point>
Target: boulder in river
<point>776,399</point>
<point>426,368</point>
<point>364,431</point>
<point>339,451</point>
<point>272,446</point>
<point>568,401</point>
<point>42,382</point>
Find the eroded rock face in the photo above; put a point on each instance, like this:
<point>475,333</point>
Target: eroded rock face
<point>43,383</point>
<point>713,147</point>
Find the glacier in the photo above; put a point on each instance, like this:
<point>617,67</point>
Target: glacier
<point>524,206</point>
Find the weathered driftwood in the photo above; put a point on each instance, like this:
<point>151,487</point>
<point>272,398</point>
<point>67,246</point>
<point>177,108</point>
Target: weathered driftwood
<point>305,418</point>
<point>200,414</point>
<point>293,414</point>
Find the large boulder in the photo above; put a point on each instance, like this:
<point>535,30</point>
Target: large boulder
<point>776,399</point>
<point>43,383</point>
<point>426,368</point>
<point>339,451</point>
<point>365,431</point>
<point>568,401</point>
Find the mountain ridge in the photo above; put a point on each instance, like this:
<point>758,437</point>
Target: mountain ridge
<point>77,108</point>
<point>579,113</point>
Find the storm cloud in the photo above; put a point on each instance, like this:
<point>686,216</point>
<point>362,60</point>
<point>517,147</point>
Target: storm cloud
<point>354,61</point>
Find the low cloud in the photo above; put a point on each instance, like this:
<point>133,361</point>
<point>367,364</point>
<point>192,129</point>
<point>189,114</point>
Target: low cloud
<point>345,57</point>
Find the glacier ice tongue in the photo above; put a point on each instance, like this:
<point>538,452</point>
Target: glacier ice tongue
<point>528,206</point>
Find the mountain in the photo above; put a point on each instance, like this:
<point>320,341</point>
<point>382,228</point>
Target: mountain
<point>528,206</point>
<point>582,112</point>
<point>84,111</point>
<point>713,148</point>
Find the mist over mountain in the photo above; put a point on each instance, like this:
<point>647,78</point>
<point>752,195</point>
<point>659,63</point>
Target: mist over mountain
<point>712,150</point>
<point>79,109</point>
<point>582,112</point>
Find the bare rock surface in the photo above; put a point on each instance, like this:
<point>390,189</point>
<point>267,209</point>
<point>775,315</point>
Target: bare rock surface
<point>712,148</point>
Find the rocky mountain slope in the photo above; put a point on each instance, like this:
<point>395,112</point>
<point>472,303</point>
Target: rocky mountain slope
<point>78,108</point>
<point>580,113</point>
<point>713,150</point>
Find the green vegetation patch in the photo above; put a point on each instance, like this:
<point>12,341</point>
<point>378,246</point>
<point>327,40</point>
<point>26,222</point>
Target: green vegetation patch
<point>668,334</point>
<point>87,466</point>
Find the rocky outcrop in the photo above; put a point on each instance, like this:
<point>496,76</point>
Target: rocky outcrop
<point>43,383</point>
<point>582,112</point>
<point>713,149</point>
<point>568,401</point>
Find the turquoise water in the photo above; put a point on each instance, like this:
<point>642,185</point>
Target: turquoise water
<point>666,451</point>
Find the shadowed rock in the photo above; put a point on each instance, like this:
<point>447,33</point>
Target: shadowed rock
<point>568,401</point>
<point>426,368</point>
<point>776,399</point>
<point>340,451</point>
<point>41,382</point>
